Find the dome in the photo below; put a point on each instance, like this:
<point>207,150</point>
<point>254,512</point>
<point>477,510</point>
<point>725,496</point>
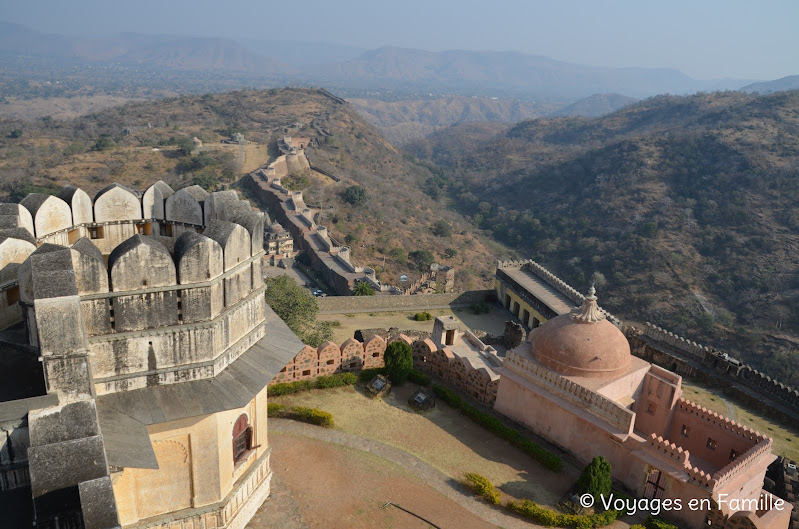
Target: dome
<point>582,343</point>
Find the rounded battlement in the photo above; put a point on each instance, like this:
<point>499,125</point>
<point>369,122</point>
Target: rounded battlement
<point>141,262</point>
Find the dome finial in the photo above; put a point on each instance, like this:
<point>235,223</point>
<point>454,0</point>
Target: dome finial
<point>589,311</point>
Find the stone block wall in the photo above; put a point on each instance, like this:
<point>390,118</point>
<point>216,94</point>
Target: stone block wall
<point>329,358</point>
<point>352,356</point>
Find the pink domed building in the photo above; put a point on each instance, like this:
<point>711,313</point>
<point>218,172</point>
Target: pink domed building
<point>575,383</point>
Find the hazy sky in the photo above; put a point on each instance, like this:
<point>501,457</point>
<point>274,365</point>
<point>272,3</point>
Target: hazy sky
<point>751,39</point>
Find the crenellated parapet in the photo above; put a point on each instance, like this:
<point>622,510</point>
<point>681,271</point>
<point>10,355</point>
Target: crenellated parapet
<point>702,478</point>
<point>743,463</point>
<point>719,422</point>
<point>688,346</point>
<point>670,450</point>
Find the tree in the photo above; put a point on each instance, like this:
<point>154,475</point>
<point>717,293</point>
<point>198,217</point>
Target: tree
<point>185,145</point>
<point>449,253</point>
<point>596,478</point>
<point>207,181</point>
<point>16,133</point>
<point>398,254</point>
<point>356,195</point>
<point>442,228</point>
<point>104,142</point>
<point>398,359</point>
<point>362,288</point>
<point>298,309</point>
<point>422,259</point>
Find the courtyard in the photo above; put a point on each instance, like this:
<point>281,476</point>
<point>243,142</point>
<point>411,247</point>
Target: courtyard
<point>381,451</point>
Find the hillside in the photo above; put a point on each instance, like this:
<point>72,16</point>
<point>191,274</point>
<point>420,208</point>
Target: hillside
<point>402,121</point>
<point>595,105</point>
<point>683,210</point>
<point>778,85</point>
<point>139,143</point>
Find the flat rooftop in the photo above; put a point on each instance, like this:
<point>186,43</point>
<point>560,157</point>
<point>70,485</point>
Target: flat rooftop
<point>540,289</point>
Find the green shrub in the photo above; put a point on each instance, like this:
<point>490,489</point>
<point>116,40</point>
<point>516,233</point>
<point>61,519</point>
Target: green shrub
<point>274,410</point>
<point>494,425</point>
<point>423,316</point>
<point>596,478</point>
<point>653,522</point>
<point>637,526</point>
<point>482,487</point>
<point>398,359</point>
<point>368,374</point>
<point>336,381</point>
<point>322,382</point>
<point>419,378</point>
<point>550,518</point>
<point>311,416</point>
<point>447,395</point>
<point>300,413</point>
<point>287,388</point>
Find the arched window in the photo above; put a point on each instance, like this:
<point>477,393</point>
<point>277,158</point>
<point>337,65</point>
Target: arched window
<point>242,437</point>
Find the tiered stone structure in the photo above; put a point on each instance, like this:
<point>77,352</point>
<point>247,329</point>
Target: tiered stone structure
<point>278,243</point>
<point>147,312</point>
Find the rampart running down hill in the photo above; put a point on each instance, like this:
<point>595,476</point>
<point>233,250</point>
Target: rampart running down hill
<point>289,208</point>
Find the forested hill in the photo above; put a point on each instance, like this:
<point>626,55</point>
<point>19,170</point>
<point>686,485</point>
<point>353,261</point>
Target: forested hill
<point>684,210</point>
<point>140,143</point>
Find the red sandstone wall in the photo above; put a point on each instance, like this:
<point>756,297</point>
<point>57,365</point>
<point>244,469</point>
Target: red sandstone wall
<point>703,424</point>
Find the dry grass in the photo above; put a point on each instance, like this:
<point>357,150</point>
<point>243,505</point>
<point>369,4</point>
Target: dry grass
<point>441,437</point>
<point>492,322</point>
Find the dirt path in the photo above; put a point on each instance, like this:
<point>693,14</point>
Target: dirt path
<point>286,434</point>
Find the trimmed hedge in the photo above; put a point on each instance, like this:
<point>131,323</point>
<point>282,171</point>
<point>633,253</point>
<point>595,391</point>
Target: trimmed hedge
<point>491,423</point>
<point>482,487</point>
<point>423,316</point>
<point>287,388</point>
<point>550,518</point>
<point>322,382</point>
<point>368,374</point>
<point>419,378</point>
<point>653,522</point>
<point>300,413</point>
<point>336,381</point>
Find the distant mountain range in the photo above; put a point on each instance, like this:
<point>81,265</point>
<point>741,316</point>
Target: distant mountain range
<point>780,85</point>
<point>350,71</point>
